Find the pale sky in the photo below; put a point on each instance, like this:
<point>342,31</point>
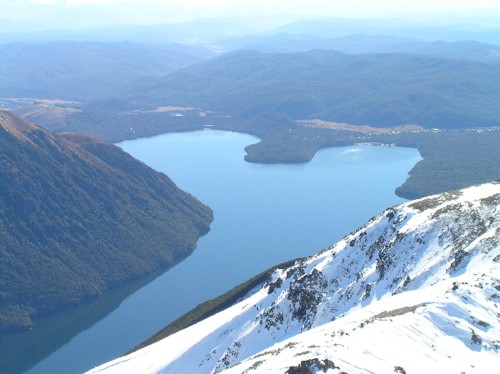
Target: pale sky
<point>87,12</point>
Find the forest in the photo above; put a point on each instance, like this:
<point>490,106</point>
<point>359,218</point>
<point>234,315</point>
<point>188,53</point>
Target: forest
<point>84,217</point>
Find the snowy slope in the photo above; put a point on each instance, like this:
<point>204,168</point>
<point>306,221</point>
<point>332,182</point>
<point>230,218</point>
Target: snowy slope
<point>414,290</point>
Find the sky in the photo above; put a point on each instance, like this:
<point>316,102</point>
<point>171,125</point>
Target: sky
<point>89,13</point>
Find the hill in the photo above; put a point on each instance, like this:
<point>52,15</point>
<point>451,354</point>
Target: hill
<point>367,89</point>
<point>366,43</point>
<point>330,27</point>
<point>85,70</point>
<point>413,290</point>
<point>79,216</point>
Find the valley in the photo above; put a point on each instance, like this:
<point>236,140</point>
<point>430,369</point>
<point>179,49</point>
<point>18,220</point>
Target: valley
<point>285,140</point>
<point>259,221</point>
<point>151,168</point>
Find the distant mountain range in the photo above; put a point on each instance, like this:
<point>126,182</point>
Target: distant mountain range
<point>366,43</point>
<point>483,27</point>
<point>86,70</point>
<point>379,80</point>
<point>414,290</point>
<point>374,89</point>
<point>79,216</point>
<point>331,27</point>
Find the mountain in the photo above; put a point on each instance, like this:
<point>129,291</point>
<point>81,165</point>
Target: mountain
<point>78,217</point>
<point>367,89</point>
<point>330,27</point>
<point>201,31</point>
<point>362,43</point>
<point>414,290</point>
<point>86,70</point>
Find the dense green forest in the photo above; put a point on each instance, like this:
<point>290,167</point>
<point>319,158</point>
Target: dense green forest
<point>451,159</point>
<point>79,216</point>
<point>366,89</point>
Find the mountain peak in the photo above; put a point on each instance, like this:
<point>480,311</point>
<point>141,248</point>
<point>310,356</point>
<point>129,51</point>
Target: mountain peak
<point>415,289</point>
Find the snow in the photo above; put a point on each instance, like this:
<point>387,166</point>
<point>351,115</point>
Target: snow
<point>414,290</point>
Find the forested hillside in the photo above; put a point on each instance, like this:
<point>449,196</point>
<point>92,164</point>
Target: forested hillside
<point>368,89</point>
<point>79,216</point>
<point>86,70</point>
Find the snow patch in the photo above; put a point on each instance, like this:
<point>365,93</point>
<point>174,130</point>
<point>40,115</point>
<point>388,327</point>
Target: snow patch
<point>414,290</point>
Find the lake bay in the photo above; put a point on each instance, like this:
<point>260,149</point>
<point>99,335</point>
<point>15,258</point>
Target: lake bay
<point>263,215</point>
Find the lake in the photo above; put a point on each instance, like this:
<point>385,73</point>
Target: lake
<point>264,215</point>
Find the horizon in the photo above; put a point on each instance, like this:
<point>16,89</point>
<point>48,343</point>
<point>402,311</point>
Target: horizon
<point>80,15</point>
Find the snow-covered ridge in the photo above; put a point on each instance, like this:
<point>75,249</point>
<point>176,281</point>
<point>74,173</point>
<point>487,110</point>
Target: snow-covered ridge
<point>414,290</point>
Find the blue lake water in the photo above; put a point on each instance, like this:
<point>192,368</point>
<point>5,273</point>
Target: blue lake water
<point>264,215</point>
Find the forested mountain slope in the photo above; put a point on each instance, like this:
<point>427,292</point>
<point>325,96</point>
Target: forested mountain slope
<point>79,216</point>
<point>86,70</point>
<point>368,89</point>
